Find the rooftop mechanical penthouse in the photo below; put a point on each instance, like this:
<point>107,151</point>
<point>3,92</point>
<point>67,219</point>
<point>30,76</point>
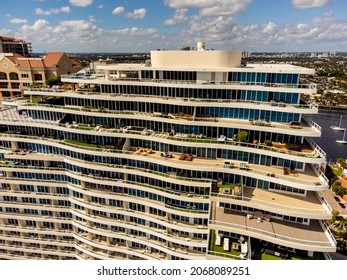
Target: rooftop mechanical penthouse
<point>192,155</point>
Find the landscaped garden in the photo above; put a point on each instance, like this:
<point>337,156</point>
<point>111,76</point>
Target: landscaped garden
<point>219,250</point>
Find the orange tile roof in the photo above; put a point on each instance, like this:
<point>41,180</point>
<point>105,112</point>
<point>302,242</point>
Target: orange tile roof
<point>11,39</point>
<point>13,58</point>
<point>52,59</point>
<point>343,182</point>
<point>75,62</point>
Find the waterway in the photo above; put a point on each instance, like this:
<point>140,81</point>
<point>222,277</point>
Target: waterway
<point>325,119</point>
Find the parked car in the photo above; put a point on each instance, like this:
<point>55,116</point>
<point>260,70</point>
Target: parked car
<point>342,205</point>
<point>337,199</point>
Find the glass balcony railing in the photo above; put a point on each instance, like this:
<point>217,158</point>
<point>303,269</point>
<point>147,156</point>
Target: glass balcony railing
<point>311,86</point>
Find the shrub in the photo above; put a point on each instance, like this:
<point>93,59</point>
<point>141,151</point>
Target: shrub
<point>268,143</point>
<point>53,81</point>
<point>242,136</point>
<point>338,189</point>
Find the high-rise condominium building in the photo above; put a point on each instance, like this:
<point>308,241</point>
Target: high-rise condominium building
<point>13,45</point>
<point>191,155</point>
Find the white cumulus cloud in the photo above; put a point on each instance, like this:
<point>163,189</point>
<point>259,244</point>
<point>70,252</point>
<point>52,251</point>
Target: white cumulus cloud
<point>269,27</point>
<point>211,7</point>
<point>5,31</point>
<point>118,10</point>
<point>135,31</point>
<point>137,14</point>
<point>37,26</point>
<point>179,17</point>
<point>65,9</point>
<point>18,20</point>
<point>81,3</point>
<point>306,4</point>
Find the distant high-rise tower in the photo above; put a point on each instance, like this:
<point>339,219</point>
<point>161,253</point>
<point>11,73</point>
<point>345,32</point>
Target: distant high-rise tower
<point>13,45</point>
<point>246,54</point>
<point>333,53</point>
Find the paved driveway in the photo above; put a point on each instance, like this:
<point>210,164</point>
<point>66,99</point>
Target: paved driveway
<point>329,197</point>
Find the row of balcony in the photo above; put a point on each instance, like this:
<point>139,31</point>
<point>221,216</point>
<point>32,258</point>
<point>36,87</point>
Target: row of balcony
<point>306,129</point>
<point>77,77</point>
<point>203,102</point>
<point>304,179</point>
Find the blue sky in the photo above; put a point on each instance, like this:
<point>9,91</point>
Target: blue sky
<point>142,25</point>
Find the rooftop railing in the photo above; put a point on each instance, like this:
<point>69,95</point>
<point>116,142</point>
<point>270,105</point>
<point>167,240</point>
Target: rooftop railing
<point>252,167</point>
<point>310,123</point>
<point>140,226</point>
<point>184,99</point>
<point>128,182</point>
<point>138,238</point>
<point>204,82</point>
<point>314,154</point>
<point>276,236</point>
<point>316,147</point>
<point>167,175</point>
<point>276,206</point>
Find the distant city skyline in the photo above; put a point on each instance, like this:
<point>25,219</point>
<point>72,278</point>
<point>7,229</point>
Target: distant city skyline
<point>140,26</point>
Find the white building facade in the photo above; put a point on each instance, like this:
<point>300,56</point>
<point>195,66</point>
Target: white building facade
<point>190,156</point>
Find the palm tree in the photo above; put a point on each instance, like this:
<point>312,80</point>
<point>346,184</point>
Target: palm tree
<point>340,225</point>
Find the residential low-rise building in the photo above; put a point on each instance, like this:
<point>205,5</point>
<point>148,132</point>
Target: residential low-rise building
<point>18,72</point>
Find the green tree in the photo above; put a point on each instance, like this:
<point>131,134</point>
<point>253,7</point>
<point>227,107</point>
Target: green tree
<point>242,136</point>
<point>53,81</point>
<point>340,224</point>
<point>334,217</point>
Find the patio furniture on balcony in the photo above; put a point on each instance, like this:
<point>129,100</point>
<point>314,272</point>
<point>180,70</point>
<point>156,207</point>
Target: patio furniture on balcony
<point>295,125</point>
<point>285,171</point>
<point>244,166</point>
<point>278,145</point>
<point>226,191</point>
<point>189,158</point>
<point>236,246</point>
<point>218,240</point>
<point>182,157</point>
<point>222,138</point>
<point>226,244</point>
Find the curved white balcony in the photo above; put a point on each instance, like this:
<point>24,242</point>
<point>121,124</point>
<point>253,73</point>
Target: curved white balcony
<point>101,79</point>
<point>310,206</point>
<point>314,156</point>
<point>13,256</point>
<point>38,250</point>
<point>28,239</point>
<point>146,242</point>
<point>38,218</point>
<point>160,206</point>
<point>113,250</point>
<point>195,102</point>
<point>124,197</point>
<point>307,179</point>
<point>308,130</point>
<point>313,237</point>
<point>164,234</point>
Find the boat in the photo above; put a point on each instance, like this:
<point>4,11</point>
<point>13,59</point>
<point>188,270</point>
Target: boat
<point>338,127</point>
<point>343,141</point>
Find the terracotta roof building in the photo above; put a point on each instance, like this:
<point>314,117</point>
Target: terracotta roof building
<point>17,71</point>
